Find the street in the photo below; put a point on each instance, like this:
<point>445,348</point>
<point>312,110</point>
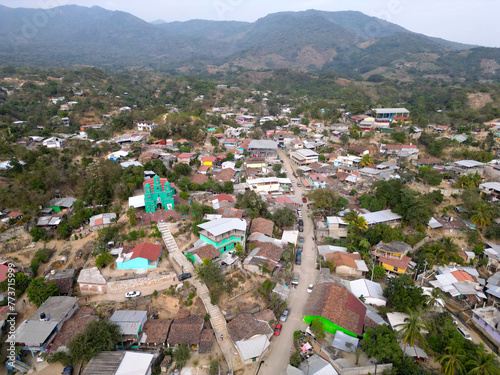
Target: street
<point>277,358</point>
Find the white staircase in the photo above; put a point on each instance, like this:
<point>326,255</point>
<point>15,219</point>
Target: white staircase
<point>216,318</point>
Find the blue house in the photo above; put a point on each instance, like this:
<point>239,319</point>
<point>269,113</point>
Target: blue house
<point>145,255</point>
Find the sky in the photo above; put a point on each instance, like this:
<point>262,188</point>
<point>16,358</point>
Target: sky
<point>465,21</point>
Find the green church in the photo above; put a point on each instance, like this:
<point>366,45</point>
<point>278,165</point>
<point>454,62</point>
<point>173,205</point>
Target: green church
<point>158,194</point>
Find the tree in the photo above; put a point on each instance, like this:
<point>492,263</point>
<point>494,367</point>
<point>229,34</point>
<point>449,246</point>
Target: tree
<point>344,138</point>
<point>132,217</point>
<point>22,281</point>
<point>39,234</point>
<point>103,259</point>
<point>433,301</point>
<point>381,343</point>
<point>38,291</point>
<point>317,328</point>
<point>356,220</point>
<point>99,335</point>
<point>181,355</point>
<point>284,217</point>
<point>212,276</point>
<point>182,169</point>
<point>453,360</point>
<point>182,208</point>
<point>214,367</point>
<point>378,272</point>
<point>327,202</point>
<point>366,160</point>
<point>482,215</point>
<point>296,359</point>
<point>483,364</point>
<point>277,168</point>
<point>252,203</point>
<point>411,329</point>
<point>402,293</point>
<point>229,156</point>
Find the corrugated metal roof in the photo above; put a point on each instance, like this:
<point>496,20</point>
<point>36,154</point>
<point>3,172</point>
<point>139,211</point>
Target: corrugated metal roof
<point>224,225</point>
<point>253,347</point>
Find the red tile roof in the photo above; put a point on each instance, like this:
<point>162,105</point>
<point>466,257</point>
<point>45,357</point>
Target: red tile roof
<point>338,305</point>
<point>224,197</point>
<point>343,259</point>
<point>206,252</point>
<point>199,179</point>
<point>15,214</point>
<point>204,168</point>
<point>462,276</point>
<point>147,251</point>
<point>263,226</point>
<point>395,262</point>
<point>208,158</point>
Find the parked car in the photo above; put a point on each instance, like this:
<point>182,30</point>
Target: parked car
<point>298,259</point>
<point>284,316</point>
<point>300,248</point>
<point>299,213</point>
<point>294,174</point>
<point>68,370</point>
<point>464,333</point>
<point>299,184</point>
<point>132,294</point>
<point>295,280</point>
<point>277,330</point>
<point>304,200</point>
<point>301,239</point>
<point>293,181</point>
<point>301,222</point>
<point>303,194</point>
<point>310,288</point>
<point>301,228</point>
<point>184,276</point>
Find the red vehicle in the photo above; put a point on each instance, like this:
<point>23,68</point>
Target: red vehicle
<point>304,200</point>
<point>277,330</point>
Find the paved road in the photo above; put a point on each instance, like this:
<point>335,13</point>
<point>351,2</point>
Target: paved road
<point>277,358</point>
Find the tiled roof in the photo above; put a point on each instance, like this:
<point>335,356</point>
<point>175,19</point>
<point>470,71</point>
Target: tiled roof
<point>206,252</point>
<point>245,326</point>
<point>224,197</point>
<point>208,158</point>
<point>206,341</point>
<point>343,259</point>
<point>395,262</point>
<point>14,214</point>
<point>156,330</point>
<point>461,275</point>
<point>225,175</point>
<point>147,251</point>
<point>265,315</point>
<point>230,212</point>
<point>204,168</point>
<point>263,226</point>
<point>199,179</point>
<point>269,251</point>
<point>338,305</point>
<point>73,326</point>
<point>186,330</point>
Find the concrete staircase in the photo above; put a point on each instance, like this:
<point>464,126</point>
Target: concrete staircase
<point>217,320</point>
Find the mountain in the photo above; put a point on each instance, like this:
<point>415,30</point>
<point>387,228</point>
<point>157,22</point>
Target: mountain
<point>158,22</point>
<point>350,43</point>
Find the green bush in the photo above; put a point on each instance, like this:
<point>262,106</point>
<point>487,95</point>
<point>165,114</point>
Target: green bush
<point>103,259</point>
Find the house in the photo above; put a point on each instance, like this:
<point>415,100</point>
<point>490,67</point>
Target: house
<point>230,143</point>
<point>206,341</point>
<point>337,308</point>
<point>204,169</point>
<point>347,264</point>
<point>468,166</point>
<point>264,185</point>
<point>73,326</point>
<point>208,160</point>
<point>53,142</point>
<point>382,217</point>
<point>317,181</point>
<point>63,279</point>
<point>117,155</point>
<point>394,249</point>
<point>460,283</point>
<point>490,187</point>
<point>185,158</point>
<point>120,363</point>
<point>337,227</point>
<point>227,175</point>
<point>15,215</point>
<point>265,256</point>
<point>250,335</point>
<point>61,204</point>
<point>315,365</point>
<point>304,157</point>
<point>37,332</point>
<point>197,255</point>
<point>223,233</point>
<point>390,114</point>
<point>487,320</point>
<point>199,179</point>
<point>399,150</point>
<point>144,255</point>
<point>102,220</point>
<point>155,332</point>
<point>256,163</point>
<point>130,322</point>
<point>371,292</point>
<point>424,162</point>
<point>261,225</point>
<point>397,265</point>
<point>263,148</point>
<point>146,126</point>
<point>90,280</point>
<point>186,329</point>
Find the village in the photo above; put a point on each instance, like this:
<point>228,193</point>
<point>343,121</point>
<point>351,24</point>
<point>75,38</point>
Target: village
<point>309,248</point>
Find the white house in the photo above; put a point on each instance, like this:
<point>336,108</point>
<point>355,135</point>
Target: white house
<point>146,126</point>
<point>53,142</point>
<point>371,291</point>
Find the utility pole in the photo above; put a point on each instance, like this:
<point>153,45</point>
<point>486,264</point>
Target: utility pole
<point>425,267</point>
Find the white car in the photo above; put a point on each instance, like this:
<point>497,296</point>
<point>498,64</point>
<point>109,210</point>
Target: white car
<point>132,294</point>
<point>310,288</point>
<point>299,213</point>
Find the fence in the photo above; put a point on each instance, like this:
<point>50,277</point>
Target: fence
<point>115,286</point>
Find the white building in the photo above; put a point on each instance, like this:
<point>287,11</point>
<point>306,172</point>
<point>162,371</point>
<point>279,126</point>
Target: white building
<point>146,126</point>
<point>304,157</point>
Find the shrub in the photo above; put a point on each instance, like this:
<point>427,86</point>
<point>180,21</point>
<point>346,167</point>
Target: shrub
<point>103,259</point>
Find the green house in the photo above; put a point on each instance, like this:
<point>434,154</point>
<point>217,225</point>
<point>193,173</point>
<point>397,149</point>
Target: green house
<point>158,194</point>
<point>337,308</point>
<point>223,234</point>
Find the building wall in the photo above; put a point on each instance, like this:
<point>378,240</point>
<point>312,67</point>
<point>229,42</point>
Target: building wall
<point>158,194</point>
<point>328,326</point>
<point>229,243</point>
<point>391,268</point>
<point>92,288</point>
<point>348,271</point>
<point>494,334</point>
<point>135,264</point>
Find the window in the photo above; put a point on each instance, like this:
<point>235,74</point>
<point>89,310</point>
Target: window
<point>396,269</point>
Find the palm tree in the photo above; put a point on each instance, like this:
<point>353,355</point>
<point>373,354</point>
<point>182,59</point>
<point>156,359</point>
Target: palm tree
<point>433,299</point>
<point>483,364</point>
<point>412,328</point>
<point>366,160</point>
<point>453,361</point>
<point>354,218</point>
<point>482,215</point>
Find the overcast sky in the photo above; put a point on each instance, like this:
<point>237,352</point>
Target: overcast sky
<point>466,21</point>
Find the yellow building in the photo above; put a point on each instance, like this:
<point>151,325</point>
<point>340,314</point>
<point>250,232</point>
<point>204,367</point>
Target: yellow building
<point>395,265</point>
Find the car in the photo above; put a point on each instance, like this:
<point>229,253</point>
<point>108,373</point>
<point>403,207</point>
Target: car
<point>464,333</point>
<point>277,329</point>
<point>284,316</point>
<point>300,248</point>
<point>301,222</point>
<point>294,174</point>
<point>285,171</point>
<point>68,370</point>
<point>298,184</point>
<point>132,294</point>
<point>295,280</point>
<point>303,194</point>
<point>310,288</point>
<point>184,276</point>
<point>304,200</point>
<point>293,181</point>
<point>298,260</point>
<point>299,213</point>
<point>301,228</point>
<point>301,239</point>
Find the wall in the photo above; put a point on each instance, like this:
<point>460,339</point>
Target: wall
<point>114,286</point>
<point>495,335</point>
<point>133,264</point>
<point>328,326</point>
<point>92,288</point>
